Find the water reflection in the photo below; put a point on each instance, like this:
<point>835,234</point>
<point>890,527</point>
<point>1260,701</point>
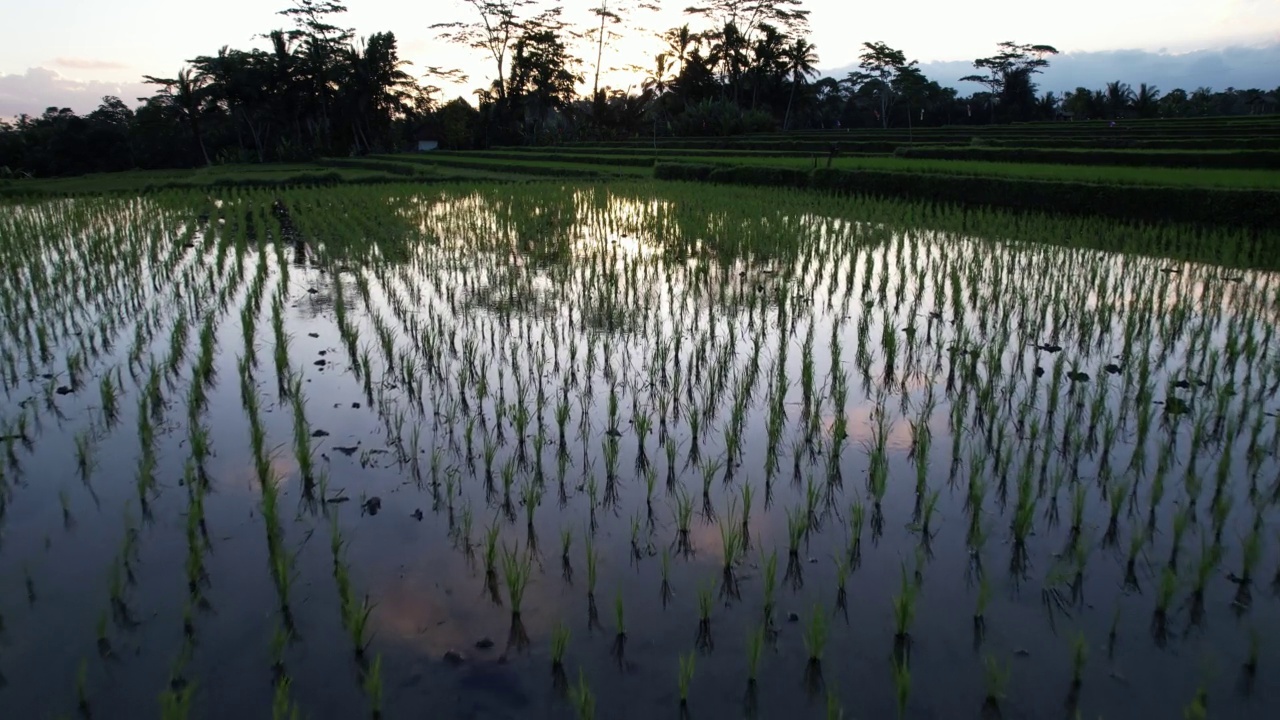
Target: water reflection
<point>556,365</point>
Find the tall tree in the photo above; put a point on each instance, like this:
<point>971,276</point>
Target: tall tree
<point>494,28</point>
<point>728,53</point>
<point>542,80</point>
<point>1119,97</point>
<point>768,63</point>
<point>239,83</point>
<point>1047,106</point>
<point>880,65</point>
<point>1147,101</point>
<point>734,29</point>
<point>680,41</point>
<point>801,57</point>
<point>1008,74</point>
<point>322,43</point>
<point>659,80</point>
<point>188,97</point>
<point>613,14</point>
<point>912,86</point>
<point>377,89</point>
<point>748,15</point>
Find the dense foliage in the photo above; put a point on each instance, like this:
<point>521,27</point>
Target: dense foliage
<point>740,66</point>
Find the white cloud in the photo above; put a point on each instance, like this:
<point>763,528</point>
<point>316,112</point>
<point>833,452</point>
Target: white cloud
<point>40,88</point>
<point>88,63</point>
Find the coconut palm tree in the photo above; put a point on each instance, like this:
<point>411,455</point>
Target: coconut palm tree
<point>1146,102</point>
<point>1119,98</point>
<point>188,96</point>
<point>800,57</point>
<point>729,54</point>
<point>680,41</point>
<point>375,88</point>
<point>1047,105</point>
<point>659,80</point>
<point>1202,101</point>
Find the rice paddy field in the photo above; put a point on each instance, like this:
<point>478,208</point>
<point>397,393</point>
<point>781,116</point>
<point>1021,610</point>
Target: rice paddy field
<point>630,450</point>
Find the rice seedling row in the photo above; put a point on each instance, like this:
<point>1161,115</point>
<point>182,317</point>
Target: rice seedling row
<point>960,434</point>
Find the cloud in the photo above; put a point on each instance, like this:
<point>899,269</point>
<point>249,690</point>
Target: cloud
<point>1238,67</point>
<point>40,88</point>
<point>88,64</point>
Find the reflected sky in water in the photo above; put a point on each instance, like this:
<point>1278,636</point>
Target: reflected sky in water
<point>453,324</point>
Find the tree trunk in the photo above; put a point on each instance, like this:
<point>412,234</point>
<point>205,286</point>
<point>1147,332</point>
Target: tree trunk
<point>195,130</point>
<point>595,85</point>
<point>884,105</point>
<point>256,134</point>
<point>786,121</point>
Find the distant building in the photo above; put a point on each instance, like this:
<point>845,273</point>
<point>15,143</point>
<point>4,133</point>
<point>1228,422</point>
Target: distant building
<point>428,145</point>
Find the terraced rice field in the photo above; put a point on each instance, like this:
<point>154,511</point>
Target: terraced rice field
<point>568,450</point>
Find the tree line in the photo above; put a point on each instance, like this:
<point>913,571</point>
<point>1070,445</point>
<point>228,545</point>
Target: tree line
<point>737,66</point>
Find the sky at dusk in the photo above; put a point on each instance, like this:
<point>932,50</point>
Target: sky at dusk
<point>71,52</point>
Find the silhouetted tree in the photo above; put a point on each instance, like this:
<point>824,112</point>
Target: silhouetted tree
<point>880,67</point>
<point>800,58</point>
<point>1008,74</point>
<point>1119,97</point>
<point>188,97</point>
<point>1146,101</point>
<point>494,27</point>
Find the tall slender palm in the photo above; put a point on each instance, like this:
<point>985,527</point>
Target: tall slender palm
<point>1146,102</point>
<point>1047,105</point>
<point>801,57</point>
<point>659,80</point>
<point>729,54</point>
<point>187,94</point>
<point>656,85</point>
<point>680,41</point>
<point>1119,98</point>
<point>1202,101</point>
<point>375,86</point>
<point>768,62</point>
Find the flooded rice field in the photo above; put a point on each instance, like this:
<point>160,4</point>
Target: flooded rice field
<point>619,452</point>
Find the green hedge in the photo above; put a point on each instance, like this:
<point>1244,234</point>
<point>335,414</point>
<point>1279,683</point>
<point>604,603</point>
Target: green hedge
<point>555,156</point>
<point>760,175</point>
<point>682,171</point>
<point>1235,160</point>
<point>890,143</point>
<point>787,147</point>
<point>394,168</point>
<point>58,188</point>
<point>1207,206</point>
<point>465,162</point>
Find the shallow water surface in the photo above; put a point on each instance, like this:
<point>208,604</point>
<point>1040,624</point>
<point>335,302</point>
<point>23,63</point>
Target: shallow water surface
<point>966,474</point>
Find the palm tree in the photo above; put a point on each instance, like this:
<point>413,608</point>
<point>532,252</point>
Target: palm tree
<point>680,40</point>
<point>376,86</point>
<point>1202,101</point>
<point>768,63</point>
<point>1174,103</point>
<point>656,86</point>
<point>659,80</point>
<point>729,53</point>
<point>1146,102</point>
<point>188,96</point>
<point>800,57</point>
<point>1119,98</point>
<point>1047,105</point>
